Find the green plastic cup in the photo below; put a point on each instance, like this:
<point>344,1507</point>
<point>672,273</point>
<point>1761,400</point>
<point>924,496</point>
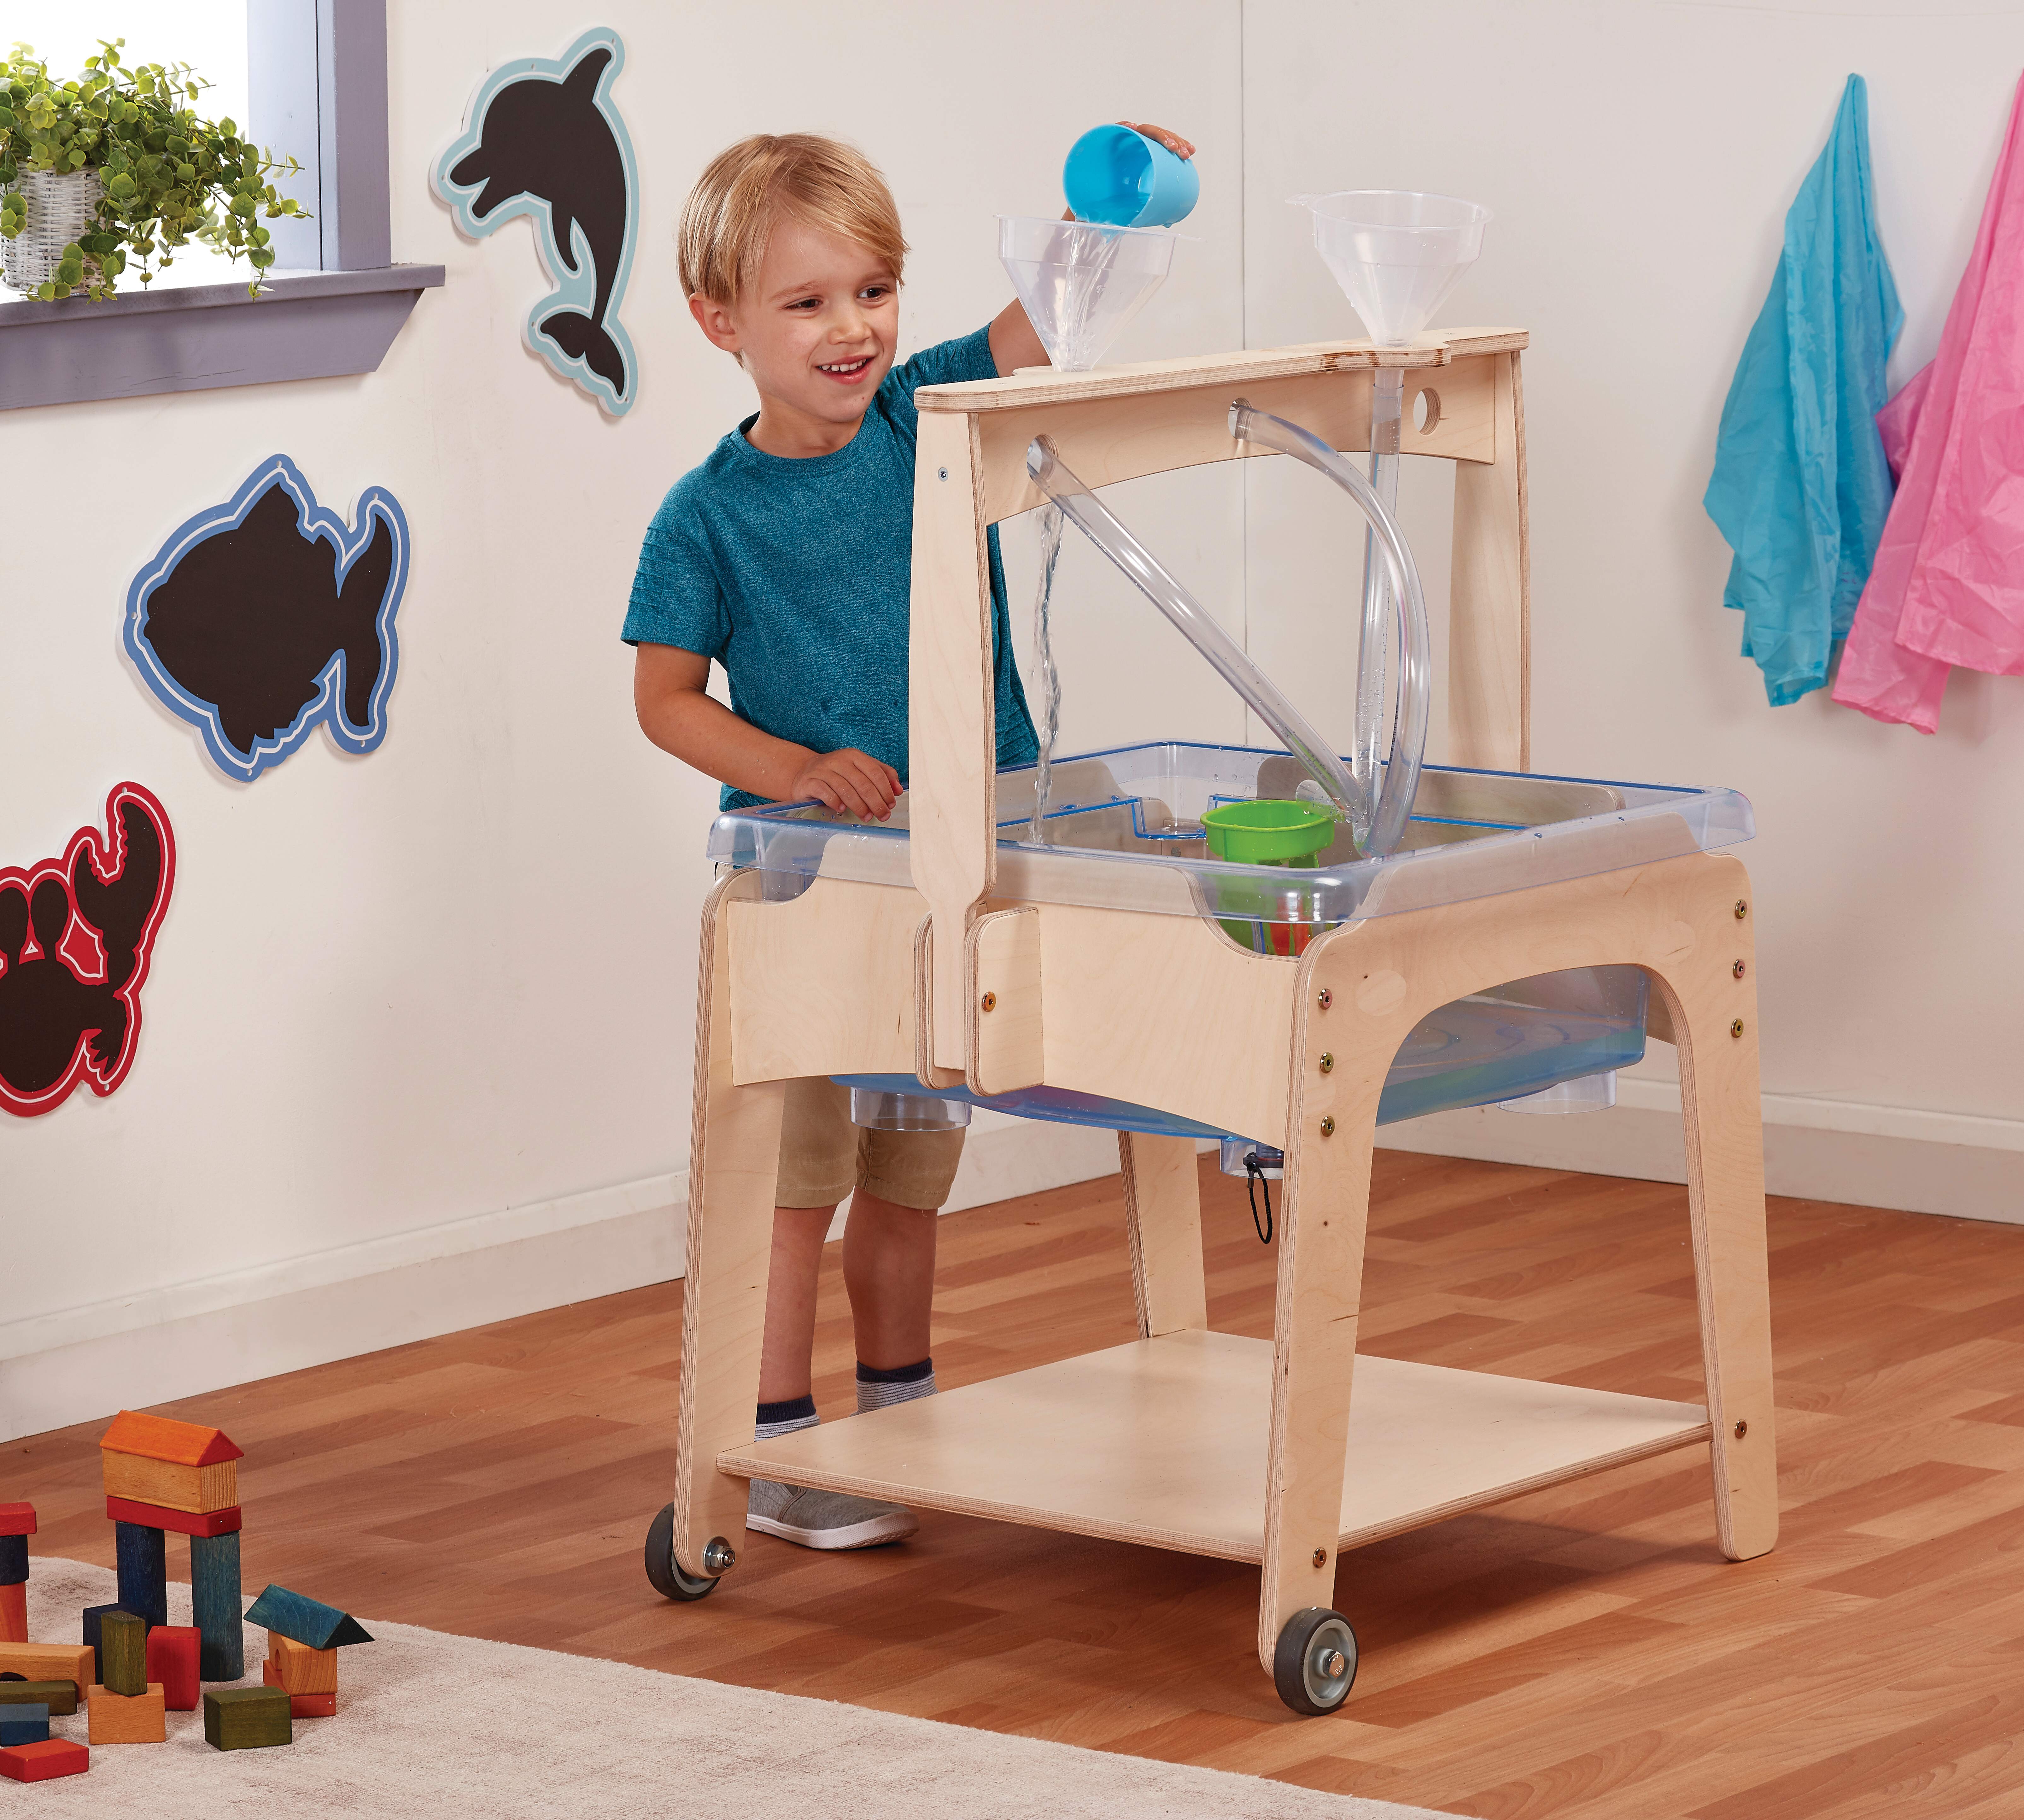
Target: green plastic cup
<point>1268,833</point>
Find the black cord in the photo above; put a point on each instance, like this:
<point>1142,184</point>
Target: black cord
<point>1254,1178</point>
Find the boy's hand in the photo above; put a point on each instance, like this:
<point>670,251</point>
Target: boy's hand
<point>1173,141</point>
<point>847,780</point>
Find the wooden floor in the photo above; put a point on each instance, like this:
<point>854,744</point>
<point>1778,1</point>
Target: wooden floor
<point>1583,1652</point>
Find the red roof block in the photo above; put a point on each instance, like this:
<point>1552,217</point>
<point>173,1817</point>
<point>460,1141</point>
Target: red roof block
<point>48,1757</point>
<point>154,1437</point>
<point>17,1519</point>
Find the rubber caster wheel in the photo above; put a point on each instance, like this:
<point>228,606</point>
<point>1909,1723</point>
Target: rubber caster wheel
<point>663,1569</point>
<point>1314,1666</point>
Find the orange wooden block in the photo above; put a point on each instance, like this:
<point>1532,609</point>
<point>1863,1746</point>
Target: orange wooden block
<point>41,1762</point>
<point>302,1705</point>
<point>14,1614</point>
<point>128,1718</point>
<point>147,1480</point>
<point>186,1443</point>
<point>51,1662</point>
<point>299,1669</point>
<point>154,1461</point>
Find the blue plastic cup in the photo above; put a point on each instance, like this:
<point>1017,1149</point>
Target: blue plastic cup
<point>1124,179</point>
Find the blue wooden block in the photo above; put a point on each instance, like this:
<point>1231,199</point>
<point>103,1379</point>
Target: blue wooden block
<point>215,1606</point>
<point>144,1579</point>
<point>13,1560</point>
<point>24,1723</point>
<point>94,1615</point>
<point>307,1621</point>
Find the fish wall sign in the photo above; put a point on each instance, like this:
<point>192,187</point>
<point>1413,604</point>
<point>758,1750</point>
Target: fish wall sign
<point>543,139</point>
<point>263,618</point>
<point>75,937</point>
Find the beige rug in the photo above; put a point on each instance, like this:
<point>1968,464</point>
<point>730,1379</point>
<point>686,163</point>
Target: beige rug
<point>431,1724</point>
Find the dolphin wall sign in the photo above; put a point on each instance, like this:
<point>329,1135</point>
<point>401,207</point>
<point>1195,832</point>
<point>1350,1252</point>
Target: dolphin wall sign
<point>543,138</point>
<point>262,618</point>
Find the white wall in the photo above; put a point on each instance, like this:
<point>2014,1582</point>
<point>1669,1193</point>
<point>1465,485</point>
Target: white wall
<point>1639,159</point>
<point>417,1036</point>
<point>410,1009</point>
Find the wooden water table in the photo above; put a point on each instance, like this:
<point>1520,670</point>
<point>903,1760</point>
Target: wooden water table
<point>1103,976</point>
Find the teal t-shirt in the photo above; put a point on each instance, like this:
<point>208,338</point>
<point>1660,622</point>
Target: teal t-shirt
<point>797,576</point>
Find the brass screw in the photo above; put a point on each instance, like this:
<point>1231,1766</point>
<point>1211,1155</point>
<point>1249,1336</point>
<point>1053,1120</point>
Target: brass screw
<point>1738,969</point>
<point>1741,1428</point>
<point>991,1001</point>
<point>1736,1028</point>
<point>1742,909</point>
<point>1324,998</point>
<point>1321,1558</point>
<point>1328,1125</point>
<point>1328,1062</point>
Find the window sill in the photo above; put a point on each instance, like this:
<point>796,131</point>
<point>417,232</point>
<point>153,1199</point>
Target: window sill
<point>307,325</point>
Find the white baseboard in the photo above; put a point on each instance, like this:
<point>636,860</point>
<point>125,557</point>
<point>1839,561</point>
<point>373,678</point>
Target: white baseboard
<point>84,1363</point>
<point>181,1340</point>
<point>1819,1150</point>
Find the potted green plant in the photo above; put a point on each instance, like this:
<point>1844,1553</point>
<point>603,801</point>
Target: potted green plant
<point>117,166</point>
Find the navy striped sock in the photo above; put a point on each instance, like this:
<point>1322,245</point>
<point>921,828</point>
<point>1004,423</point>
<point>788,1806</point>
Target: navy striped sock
<point>878,1388</point>
<point>778,1418</point>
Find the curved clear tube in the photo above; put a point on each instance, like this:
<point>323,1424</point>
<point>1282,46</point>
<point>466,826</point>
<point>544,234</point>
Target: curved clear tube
<point>1193,620</point>
<point>1394,805</point>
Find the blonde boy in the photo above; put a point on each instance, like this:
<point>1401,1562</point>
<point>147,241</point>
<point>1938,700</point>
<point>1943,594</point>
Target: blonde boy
<point>786,557</point>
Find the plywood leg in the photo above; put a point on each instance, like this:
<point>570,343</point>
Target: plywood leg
<point>1321,1220</point>
<point>734,1170</point>
<point>1712,1008</point>
<point>1163,1223</point>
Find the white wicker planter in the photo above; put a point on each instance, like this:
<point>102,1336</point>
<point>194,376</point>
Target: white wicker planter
<point>60,210</point>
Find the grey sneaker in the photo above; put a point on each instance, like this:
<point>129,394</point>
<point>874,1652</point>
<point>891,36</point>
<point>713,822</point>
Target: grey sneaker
<point>825,1519</point>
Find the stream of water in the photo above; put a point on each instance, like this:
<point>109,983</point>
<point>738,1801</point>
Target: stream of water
<point>1050,677</point>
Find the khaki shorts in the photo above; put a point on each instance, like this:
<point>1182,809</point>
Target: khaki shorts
<point>823,1156</point>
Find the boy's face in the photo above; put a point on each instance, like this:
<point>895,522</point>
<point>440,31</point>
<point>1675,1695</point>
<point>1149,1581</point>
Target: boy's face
<point>817,330</point>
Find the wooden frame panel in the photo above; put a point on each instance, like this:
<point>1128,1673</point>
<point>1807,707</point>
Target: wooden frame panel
<point>1490,600</point>
<point>1676,919</point>
<point>1162,1226</point>
<point>734,1170</point>
<point>823,983</point>
<point>1006,1050</point>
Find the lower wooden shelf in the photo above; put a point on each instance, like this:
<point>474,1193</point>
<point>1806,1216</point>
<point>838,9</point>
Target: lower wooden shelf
<point>1163,1442</point>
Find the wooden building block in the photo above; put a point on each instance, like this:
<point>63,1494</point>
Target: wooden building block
<point>14,1614</point>
<point>24,1722</point>
<point>301,1705</point>
<point>50,1662</point>
<point>95,1616</point>
<point>182,1522</point>
<point>41,1762</point>
<point>144,1580</point>
<point>214,1606</point>
<point>59,1696</point>
<point>17,1519</point>
<point>122,1654</point>
<point>246,1719</point>
<point>180,1488</point>
<point>13,1559</point>
<point>129,1718</point>
<point>299,1669</point>
<point>155,1437</point>
<point>173,1653</point>
<point>304,1619</point>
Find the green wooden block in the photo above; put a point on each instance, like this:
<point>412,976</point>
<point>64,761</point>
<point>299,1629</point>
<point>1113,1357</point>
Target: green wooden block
<point>246,1718</point>
<point>59,1696</point>
<point>122,1654</point>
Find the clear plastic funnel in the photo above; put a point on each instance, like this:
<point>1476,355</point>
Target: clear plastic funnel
<point>1081,282</point>
<point>1396,253</point>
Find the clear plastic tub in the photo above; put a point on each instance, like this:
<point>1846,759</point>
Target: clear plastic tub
<point>1125,832</point>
